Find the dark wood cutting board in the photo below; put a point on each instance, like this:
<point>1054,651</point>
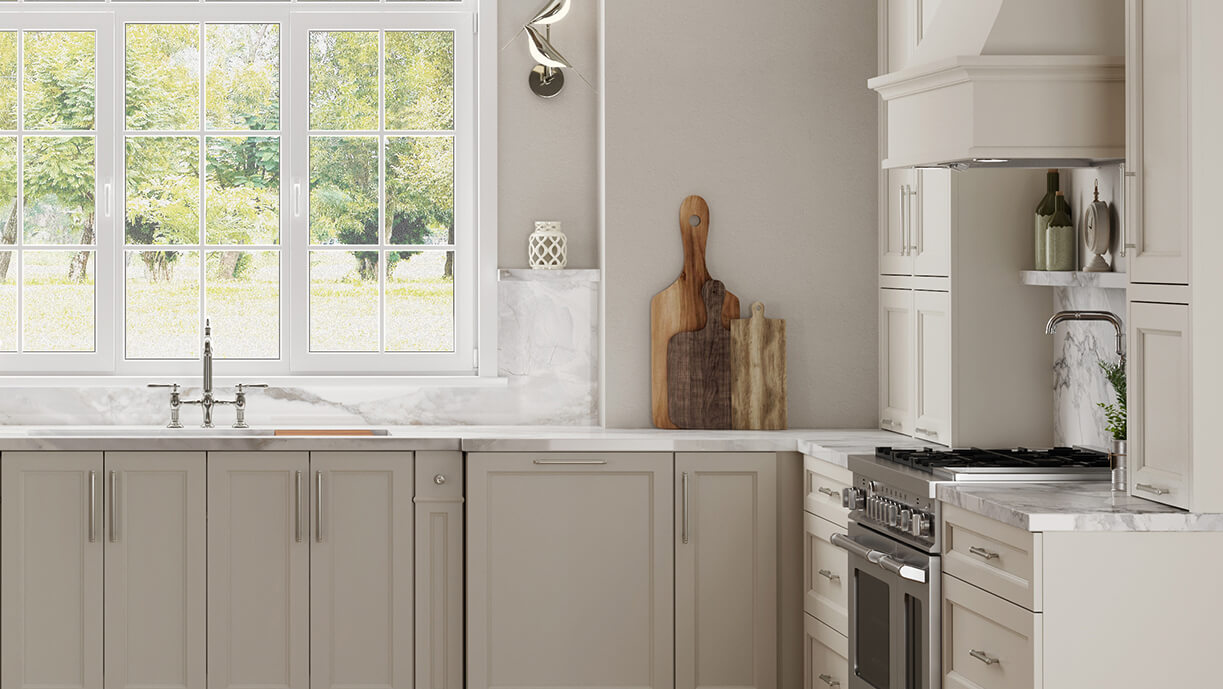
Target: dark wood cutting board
<point>679,307</point>
<point>758,372</point>
<point>698,368</point>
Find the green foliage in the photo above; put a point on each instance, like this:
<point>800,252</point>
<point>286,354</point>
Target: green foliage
<point>344,80</point>
<point>162,76</point>
<point>8,80</point>
<point>419,80</point>
<point>59,80</point>
<point>1115,414</point>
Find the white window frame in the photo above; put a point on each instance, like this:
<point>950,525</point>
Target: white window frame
<point>475,192</point>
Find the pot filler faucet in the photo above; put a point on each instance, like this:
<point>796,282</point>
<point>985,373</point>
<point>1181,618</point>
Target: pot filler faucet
<point>206,400</point>
<point>1106,316</point>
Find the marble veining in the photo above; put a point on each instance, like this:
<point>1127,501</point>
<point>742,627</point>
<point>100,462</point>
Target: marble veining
<point>1079,384</point>
<point>1072,506</point>
<point>547,352</point>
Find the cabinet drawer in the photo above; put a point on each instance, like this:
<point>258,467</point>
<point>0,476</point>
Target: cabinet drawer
<point>825,574</point>
<point>823,483</point>
<point>825,656</point>
<point>988,643</point>
<point>1000,559</point>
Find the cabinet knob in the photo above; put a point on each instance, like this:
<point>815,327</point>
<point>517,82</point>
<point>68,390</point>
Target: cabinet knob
<point>440,479</point>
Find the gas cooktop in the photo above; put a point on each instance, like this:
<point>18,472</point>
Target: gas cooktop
<point>974,460</point>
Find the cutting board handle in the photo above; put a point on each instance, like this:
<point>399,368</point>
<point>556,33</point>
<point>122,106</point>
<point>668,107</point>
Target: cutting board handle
<point>694,237</point>
<point>714,292</point>
<point>757,309</point>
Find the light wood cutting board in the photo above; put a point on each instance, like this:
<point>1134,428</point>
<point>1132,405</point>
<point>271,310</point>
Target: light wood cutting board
<point>698,368</point>
<point>758,372</point>
<point>679,307</point>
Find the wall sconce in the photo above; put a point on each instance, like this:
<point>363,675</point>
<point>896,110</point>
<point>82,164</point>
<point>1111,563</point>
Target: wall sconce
<point>546,78</point>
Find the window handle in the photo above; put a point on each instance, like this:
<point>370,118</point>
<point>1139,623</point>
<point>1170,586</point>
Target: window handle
<point>297,199</point>
<point>107,196</point>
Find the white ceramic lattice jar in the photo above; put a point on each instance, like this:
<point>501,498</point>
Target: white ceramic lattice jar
<point>547,246</point>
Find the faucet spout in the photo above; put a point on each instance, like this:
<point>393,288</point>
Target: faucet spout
<point>1104,316</point>
<point>207,357</point>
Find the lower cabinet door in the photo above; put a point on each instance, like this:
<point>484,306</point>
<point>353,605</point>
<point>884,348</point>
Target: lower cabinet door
<point>825,574</point>
<point>825,656</point>
<point>569,570</point>
<point>726,570</point>
<point>361,570</point>
<point>156,546</point>
<point>988,642</point>
<point>51,570</point>
<point>258,570</point>
<point>439,570</point>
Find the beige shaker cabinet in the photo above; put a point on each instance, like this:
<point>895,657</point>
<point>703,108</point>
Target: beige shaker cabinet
<point>1160,400</point>
<point>439,570</point>
<point>258,570</point>
<point>51,581</point>
<point>570,570</point>
<point>726,570</point>
<point>156,565</point>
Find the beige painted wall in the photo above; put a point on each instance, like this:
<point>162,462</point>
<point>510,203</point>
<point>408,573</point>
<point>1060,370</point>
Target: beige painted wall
<point>762,108</point>
<point>548,148</point>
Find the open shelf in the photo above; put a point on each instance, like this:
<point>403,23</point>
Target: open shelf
<point>1073,278</point>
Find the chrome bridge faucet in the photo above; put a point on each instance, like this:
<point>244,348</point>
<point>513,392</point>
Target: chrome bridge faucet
<point>1104,316</point>
<point>207,401</point>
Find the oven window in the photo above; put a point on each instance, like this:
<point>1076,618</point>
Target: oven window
<point>873,663</point>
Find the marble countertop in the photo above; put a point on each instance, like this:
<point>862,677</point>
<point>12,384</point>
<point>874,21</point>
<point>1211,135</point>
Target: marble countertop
<point>833,446</point>
<point>1070,506</point>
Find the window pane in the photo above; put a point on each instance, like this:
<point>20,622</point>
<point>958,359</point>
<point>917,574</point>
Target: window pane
<point>343,80</point>
<point>59,188</point>
<point>57,300</point>
<point>420,301</point>
<point>343,190</point>
<point>8,190</point>
<point>59,80</point>
<point>243,190</point>
<point>343,301</point>
<point>8,302</point>
<point>420,190</point>
<point>163,76</point>
<point>420,80</point>
<point>243,297</point>
<point>8,79</point>
<point>163,304</point>
<point>163,190</point>
<point>243,76</point>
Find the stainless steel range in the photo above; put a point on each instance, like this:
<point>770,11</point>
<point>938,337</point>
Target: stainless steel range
<point>894,543</point>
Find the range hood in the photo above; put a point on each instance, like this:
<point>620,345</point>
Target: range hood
<point>1011,83</point>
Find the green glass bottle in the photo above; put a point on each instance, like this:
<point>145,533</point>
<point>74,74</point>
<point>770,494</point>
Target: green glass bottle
<point>1059,238</point>
<point>1044,212</point>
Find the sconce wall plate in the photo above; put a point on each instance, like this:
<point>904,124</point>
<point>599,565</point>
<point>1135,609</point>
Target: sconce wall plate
<point>546,85</point>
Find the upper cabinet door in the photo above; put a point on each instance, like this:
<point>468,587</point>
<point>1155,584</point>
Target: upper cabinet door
<point>930,233</point>
<point>726,571</point>
<point>258,570</point>
<point>570,575</point>
<point>361,567</point>
<point>896,234</point>
<point>1159,402</point>
<point>1158,174</point>
<point>156,546</point>
<point>51,572</point>
<point>904,19</point>
<point>896,360</point>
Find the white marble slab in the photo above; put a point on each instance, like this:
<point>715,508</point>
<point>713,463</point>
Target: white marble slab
<point>1069,506</point>
<point>1078,383</point>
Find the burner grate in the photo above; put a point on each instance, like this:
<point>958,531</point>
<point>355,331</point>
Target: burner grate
<point>929,459</point>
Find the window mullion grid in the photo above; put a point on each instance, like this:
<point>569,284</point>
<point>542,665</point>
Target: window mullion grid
<point>18,254</point>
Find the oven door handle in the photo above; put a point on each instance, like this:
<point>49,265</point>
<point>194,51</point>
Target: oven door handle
<point>885,561</point>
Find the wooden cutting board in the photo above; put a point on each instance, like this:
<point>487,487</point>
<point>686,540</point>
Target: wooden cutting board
<point>679,307</point>
<point>758,372</point>
<point>698,368</point>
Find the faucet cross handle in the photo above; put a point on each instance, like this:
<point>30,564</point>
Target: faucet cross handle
<point>240,402</point>
<point>176,402</point>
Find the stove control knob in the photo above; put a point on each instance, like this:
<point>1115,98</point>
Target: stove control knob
<point>893,518</point>
<point>906,518</point>
<point>922,526</point>
<point>853,498</point>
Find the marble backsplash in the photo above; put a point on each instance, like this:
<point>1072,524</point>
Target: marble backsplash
<point>547,352</point>
<point>1079,384</point>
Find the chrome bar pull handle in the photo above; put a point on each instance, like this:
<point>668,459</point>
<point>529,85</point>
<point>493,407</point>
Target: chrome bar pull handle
<point>1146,487</point>
<point>571,462</point>
<point>829,492</point>
<point>904,231</point>
<point>113,507</point>
<point>93,507</point>
<point>983,553</point>
<point>827,574</point>
<point>684,531</point>
<point>318,507</point>
<point>297,506</point>
<point>984,657</point>
<point>828,679</point>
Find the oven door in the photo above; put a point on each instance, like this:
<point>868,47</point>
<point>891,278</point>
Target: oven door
<point>894,621</point>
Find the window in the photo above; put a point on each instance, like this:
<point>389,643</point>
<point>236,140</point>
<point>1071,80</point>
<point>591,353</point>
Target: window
<point>304,181</point>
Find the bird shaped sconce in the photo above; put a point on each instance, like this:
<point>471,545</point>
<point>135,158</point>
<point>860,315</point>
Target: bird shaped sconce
<point>546,78</point>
